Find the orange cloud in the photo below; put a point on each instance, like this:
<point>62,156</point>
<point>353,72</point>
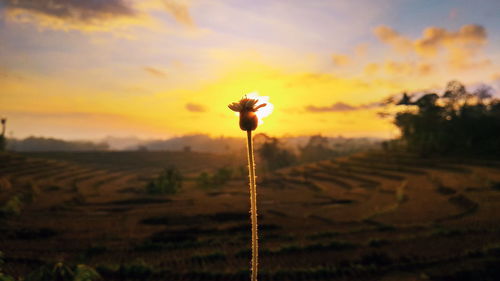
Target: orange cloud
<point>394,68</point>
<point>460,47</point>
<point>194,107</point>
<point>340,107</point>
<point>468,37</point>
<point>341,60</point>
<point>399,68</point>
<point>180,11</point>
<point>155,72</point>
<point>393,38</point>
<point>360,50</point>
<point>371,68</point>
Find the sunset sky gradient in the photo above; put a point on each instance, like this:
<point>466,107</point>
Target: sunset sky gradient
<point>161,68</point>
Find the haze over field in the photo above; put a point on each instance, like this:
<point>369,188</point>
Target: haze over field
<point>156,69</point>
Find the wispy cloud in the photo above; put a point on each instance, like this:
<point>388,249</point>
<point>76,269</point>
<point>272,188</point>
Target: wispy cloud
<point>341,60</point>
<point>194,107</point>
<point>155,72</point>
<point>73,14</point>
<point>180,11</point>
<point>340,107</point>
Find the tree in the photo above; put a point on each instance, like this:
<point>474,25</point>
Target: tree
<point>274,155</point>
<point>317,148</point>
<point>451,123</point>
<point>3,139</point>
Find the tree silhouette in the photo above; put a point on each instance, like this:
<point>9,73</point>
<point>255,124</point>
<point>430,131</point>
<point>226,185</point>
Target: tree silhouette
<point>3,139</point>
<point>457,122</point>
<point>317,148</point>
<point>274,155</point>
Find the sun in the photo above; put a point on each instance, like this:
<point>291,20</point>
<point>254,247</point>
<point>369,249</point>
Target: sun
<point>263,111</point>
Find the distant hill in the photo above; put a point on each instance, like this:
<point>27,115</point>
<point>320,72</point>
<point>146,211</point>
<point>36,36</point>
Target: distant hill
<point>52,144</point>
<point>197,142</point>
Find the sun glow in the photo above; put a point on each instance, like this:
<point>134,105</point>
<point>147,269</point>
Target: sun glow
<point>263,111</point>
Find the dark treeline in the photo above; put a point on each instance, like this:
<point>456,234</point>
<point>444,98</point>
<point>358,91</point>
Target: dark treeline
<point>457,122</point>
<point>278,153</point>
<point>51,144</point>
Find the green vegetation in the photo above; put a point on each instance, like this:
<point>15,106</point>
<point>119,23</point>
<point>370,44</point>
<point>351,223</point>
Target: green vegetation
<point>64,272</point>
<point>274,155</point>
<point>168,182</point>
<point>3,139</point>
<point>13,206</point>
<point>217,179</point>
<point>457,122</point>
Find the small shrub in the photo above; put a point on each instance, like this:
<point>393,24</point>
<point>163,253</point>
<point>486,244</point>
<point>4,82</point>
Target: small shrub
<point>56,272</point>
<point>400,192</point>
<point>222,175</point>
<point>204,180</point>
<point>168,182</point>
<point>217,179</point>
<point>63,272</point>
<point>85,273</point>
<point>13,206</point>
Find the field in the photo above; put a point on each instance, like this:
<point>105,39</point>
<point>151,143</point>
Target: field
<point>371,216</point>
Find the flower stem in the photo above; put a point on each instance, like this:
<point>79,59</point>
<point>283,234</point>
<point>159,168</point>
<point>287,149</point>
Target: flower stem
<point>253,206</point>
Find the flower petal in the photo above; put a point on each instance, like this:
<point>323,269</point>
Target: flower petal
<point>235,106</point>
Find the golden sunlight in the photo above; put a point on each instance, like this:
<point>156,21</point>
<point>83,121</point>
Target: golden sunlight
<point>263,111</point>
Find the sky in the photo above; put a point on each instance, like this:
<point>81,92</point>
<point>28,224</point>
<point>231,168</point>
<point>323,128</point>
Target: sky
<point>161,68</point>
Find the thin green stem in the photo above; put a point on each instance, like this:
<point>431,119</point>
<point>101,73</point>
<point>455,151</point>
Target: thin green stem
<point>253,206</point>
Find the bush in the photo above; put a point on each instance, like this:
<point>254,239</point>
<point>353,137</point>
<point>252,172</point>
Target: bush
<point>13,206</point>
<point>63,272</point>
<point>219,178</point>
<point>168,182</point>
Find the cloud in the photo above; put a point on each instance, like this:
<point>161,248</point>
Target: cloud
<point>371,69</point>
<point>72,14</point>
<point>341,60</point>
<point>155,72</point>
<point>433,39</point>
<point>399,68</point>
<point>461,47</point>
<point>180,11</point>
<point>468,37</point>
<point>340,107</point>
<point>407,68</point>
<point>393,38</point>
<point>361,49</point>
<point>194,107</point>
<point>83,11</point>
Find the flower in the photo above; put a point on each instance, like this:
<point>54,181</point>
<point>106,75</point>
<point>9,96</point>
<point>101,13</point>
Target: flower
<point>246,108</point>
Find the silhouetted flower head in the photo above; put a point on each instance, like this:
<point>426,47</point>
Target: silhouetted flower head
<point>246,108</point>
<point>4,120</point>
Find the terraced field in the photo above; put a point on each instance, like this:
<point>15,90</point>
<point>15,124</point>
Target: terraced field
<point>371,216</point>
